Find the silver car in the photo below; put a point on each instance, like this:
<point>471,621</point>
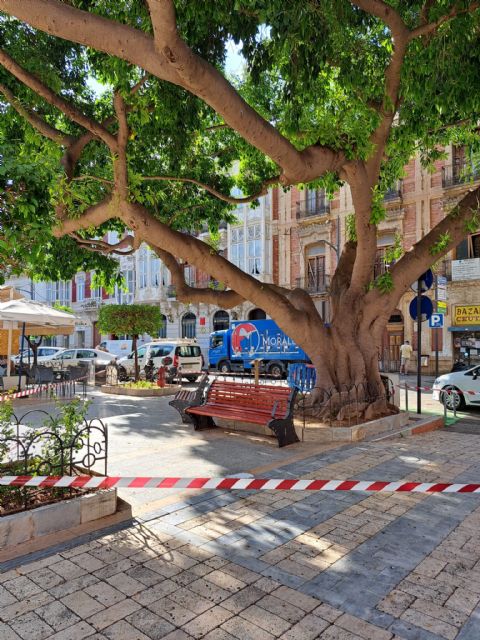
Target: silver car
<point>73,357</point>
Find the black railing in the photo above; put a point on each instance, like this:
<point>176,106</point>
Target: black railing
<point>392,194</point>
<point>460,173</point>
<point>319,283</point>
<point>308,208</point>
<point>49,449</point>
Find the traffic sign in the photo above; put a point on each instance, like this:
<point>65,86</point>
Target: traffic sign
<point>435,321</point>
<point>426,280</point>
<point>426,308</point>
<point>441,307</point>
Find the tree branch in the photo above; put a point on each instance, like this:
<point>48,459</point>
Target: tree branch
<point>96,178</point>
<point>425,29</point>
<point>221,196</point>
<point>419,258</point>
<point>128,243</point>
<point>169,58</point>
<point>36,121</point>
<point>120,162</point>
<point>92,217</point>
<point>186,293</point>
<point>52,98</point>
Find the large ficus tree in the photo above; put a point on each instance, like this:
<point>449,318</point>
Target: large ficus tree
<point>126,110</point>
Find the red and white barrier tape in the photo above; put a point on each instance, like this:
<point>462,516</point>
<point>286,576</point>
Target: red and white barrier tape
<point>39,389</point>
<point>249,484</point>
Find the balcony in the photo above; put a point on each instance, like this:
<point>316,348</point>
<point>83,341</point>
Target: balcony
<point>459,174</point>
<point>308,208</point>
<point>393,194</point>
<point>314,284</point>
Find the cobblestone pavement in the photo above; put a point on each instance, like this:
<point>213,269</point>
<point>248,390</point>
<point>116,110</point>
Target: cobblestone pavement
<point>289,565</point>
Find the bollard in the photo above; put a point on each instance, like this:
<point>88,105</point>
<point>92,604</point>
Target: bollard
<point>161,377</point>
<point>91,374</point>
<point>256,370</point>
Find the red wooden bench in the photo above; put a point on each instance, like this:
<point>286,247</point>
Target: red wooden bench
<point>268,405</point>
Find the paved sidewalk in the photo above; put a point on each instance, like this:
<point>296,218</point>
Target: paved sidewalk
<point>259,566</point>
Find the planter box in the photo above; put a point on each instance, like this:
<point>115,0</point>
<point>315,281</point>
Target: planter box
<point>121,390</point>
<point>27,526</point>
<point>324,433</point>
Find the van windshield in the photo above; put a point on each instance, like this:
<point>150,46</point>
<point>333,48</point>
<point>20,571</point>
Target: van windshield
<point>188,351</point>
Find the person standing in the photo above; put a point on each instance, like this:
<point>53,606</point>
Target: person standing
<point>405,355</point>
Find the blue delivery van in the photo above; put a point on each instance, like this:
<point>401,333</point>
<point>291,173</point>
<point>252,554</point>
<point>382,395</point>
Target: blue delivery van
<point>237,348</point>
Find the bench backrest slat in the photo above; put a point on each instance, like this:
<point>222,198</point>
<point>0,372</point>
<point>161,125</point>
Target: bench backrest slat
<point>263,398</point>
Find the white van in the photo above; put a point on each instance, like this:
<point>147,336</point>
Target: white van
<point>119,348</point>
<point>180,357</point>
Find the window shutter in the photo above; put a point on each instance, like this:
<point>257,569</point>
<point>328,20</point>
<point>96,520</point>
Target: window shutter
<point>88,281</point>
<point>74,290</point>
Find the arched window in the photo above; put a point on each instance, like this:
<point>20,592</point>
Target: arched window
<point>257,314</point>
<point>221,320</point>
<point>189,325</point>
<point>162,332</point>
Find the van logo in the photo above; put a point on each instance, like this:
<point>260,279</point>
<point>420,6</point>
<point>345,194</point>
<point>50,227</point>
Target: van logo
<point>245,331</point>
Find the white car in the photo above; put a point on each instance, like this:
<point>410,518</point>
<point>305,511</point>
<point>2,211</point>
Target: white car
<point>181,357</point>
<point>73,357</point>
<point>42,354</point>
<point>464,382</point>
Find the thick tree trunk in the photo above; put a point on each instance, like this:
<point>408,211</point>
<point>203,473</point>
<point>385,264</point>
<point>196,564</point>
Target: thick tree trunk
<point>345,355</point>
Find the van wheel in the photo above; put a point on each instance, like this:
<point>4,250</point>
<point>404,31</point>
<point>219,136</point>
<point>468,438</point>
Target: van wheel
<point>122,374</point>
<point>452,400</point>
<point>224,367</point>
<point>276,371</point>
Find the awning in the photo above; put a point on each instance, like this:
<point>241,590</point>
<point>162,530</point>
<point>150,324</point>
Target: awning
<point>468,328</point>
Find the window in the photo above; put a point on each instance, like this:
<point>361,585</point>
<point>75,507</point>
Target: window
<point>67,355</point>
<point>188,351</point>
<point>80,288</point>
<point>160,351</point>
<point>221,320</point>
<point>316,202</point>
<point>86,353</point>
<point>189,325</point>
<point>237,248</point>
<point>316,276</point>
<point>254,249</point>
<point>142,269</point>
<point>162,332</point>
<point>95,292</point>
<point>154,271</point>
<point>257,314</point>
<point>126,297</point>
<point>216,341</point>
<point>469,248</point>
<point>59,292</point>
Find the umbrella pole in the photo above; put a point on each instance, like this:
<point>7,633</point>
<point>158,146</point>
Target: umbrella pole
<point>21,358</point>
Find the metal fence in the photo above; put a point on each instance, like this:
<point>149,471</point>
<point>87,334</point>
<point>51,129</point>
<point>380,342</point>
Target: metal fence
<point>53,449</point>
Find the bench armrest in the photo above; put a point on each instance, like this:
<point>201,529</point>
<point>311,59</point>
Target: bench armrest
<point>274,410</point>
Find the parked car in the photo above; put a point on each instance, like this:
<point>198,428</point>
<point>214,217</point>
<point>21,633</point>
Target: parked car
<point>73,357</point>
<point>42,354</point>
<point>462,381</point>
<point>182,357</point>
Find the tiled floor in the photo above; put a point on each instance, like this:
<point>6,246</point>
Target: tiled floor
<point>264,565</point>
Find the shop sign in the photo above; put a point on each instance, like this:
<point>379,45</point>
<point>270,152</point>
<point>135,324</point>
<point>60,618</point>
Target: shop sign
<point>466,269</point>
<point>466,315</point>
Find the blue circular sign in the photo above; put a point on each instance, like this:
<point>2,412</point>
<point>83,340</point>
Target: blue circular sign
<point>426,308</point>
<point>426,281</point>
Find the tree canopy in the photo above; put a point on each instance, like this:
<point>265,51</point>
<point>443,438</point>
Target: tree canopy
<point>124,116</point>
<point>129,319</point>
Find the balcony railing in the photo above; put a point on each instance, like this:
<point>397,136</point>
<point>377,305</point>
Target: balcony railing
<point>459,174</point>
<point>317,284</point>
<point>393,194</point>
<point>308,208</point>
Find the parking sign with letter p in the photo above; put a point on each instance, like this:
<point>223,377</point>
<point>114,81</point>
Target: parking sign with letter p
<point>435,321</point>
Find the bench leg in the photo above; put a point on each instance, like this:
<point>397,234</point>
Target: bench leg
<point>284,430</point>
<point>180,406</point>
<point>202,422</point>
